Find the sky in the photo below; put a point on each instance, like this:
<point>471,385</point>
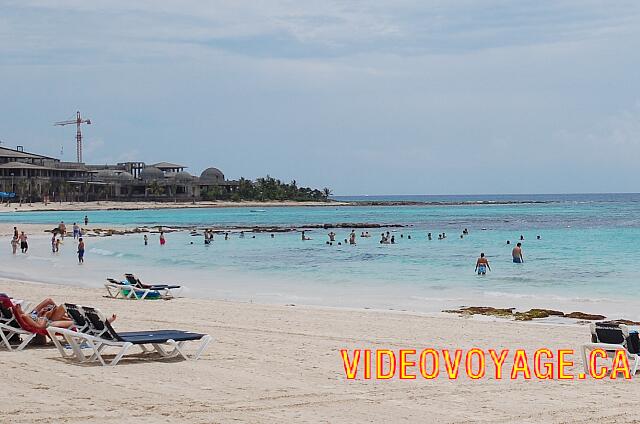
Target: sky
<point>363,97</point>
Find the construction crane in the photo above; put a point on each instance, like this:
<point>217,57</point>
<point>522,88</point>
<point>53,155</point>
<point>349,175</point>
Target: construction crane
<point>78,121</point>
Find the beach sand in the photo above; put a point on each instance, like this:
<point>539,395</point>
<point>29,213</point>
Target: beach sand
<point>110,205</point>
<point>282,364</point>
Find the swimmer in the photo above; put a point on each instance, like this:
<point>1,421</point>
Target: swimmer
<point>538,237</point>
<point>332,236</point>
<point>465,231</point>
<point>429,236</point>
<point>226,236</point>
<point>352,237</point>
<point>304,238</point>
<point>409,236</point>
<point>241,234</point>
<point>272,236</point>
<point>461,236</point>
<point>393,239</point>
<point>508,242</point>
<point>516,253</point>
<point>482,264</point>
<point>521,237</point>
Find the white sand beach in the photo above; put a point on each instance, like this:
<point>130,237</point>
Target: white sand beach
<point>139,205</point>
<point>283,364</point>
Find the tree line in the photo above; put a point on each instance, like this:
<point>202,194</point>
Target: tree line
<point>267,188</point>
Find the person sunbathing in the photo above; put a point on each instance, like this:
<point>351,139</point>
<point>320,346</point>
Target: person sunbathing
<point>46,314</point>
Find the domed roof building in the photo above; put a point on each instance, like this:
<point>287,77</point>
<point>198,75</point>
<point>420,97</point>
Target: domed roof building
<point>151,173</point>
<point>211,176</point>
<point>183,176</point>
<point>113,175</point>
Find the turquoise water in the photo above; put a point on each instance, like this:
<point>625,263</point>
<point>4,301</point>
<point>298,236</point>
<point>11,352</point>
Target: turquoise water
<point>586,259</point>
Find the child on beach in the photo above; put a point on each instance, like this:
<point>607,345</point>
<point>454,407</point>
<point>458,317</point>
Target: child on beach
<point>80,251</point>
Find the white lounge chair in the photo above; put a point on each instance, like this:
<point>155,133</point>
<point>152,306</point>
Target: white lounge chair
<point>10,329</point>
<point>612,338</point>
<point>166,343</point>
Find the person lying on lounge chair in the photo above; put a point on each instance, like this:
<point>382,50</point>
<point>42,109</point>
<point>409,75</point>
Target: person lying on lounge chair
<point>54,316</point>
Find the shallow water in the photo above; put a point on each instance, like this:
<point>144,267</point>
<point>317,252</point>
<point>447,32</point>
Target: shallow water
<point>585,260</point>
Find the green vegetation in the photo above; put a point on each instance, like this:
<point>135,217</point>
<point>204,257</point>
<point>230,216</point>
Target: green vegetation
<point>267,188</point>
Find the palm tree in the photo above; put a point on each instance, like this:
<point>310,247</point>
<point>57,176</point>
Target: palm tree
<point>326,192</point>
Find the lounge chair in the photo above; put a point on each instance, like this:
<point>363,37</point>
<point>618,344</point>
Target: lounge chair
<point>118,289</point>
<point>14,326</point>
<point>612,338</point>
<point>12,336</point>
<point>167,343</point>
<point>137,283</point>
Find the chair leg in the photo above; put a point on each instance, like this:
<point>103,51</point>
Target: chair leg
<point>205,342</point>
<point>120,354</point>
<point>585,361</point>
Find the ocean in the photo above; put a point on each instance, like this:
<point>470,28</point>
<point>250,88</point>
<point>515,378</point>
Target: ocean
<point>586,258</point>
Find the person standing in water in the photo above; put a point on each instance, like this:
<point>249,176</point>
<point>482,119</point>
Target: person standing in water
<point>76,231</point>
<point>162,240</point>
<point>15,232</point>
<point>482,265</point>
<point>516,253</point>
<point>24,246</point>
<point>146,240</point>
<point>80,251</point>
<point>53,243</point>
<point>14,244</point>
<point>63,229</point>
<point>86,220</point>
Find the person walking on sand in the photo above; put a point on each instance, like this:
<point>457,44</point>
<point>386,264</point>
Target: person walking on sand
<point>80,251</point>
<point>14,244</point>
<point>482,265</point>
<point>15,232</point>
<point>162,240</point>
<point>516,253</point>
<point>24,246</point>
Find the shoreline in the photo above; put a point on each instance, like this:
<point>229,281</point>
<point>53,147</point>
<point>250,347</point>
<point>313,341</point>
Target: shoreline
<point>153,205</point>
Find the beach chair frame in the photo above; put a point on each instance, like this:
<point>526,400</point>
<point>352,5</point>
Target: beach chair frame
<point>100,335</point>
<point>116,289</point>
<point>610,348</point>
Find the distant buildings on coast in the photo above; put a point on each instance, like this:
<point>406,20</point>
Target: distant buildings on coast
<point>35,177</point>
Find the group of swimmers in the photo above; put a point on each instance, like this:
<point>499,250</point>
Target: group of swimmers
<point>21,239</point>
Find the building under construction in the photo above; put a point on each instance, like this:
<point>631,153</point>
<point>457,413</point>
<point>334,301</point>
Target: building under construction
<point>36,177</point>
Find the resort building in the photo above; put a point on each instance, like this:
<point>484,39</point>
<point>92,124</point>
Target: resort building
<point>36,177</point>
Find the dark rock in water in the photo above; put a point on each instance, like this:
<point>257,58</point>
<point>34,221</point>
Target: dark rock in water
<point>585,316</point>
<point>537,313</point>
<point>482,310</point>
